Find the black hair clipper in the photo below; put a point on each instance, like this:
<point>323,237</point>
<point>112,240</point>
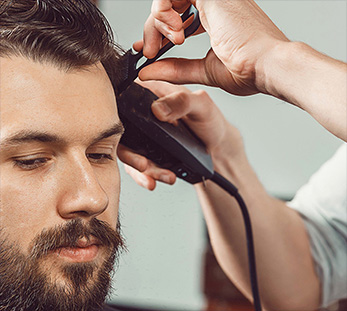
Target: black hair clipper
<point>174,147</point>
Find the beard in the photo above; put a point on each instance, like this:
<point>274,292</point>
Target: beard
<point>26,285</point>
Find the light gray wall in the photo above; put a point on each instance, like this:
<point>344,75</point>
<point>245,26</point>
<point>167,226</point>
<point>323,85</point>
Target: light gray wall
<point>164,229</point>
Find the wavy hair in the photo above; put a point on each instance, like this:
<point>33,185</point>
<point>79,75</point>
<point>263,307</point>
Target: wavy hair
<point>66,33</point>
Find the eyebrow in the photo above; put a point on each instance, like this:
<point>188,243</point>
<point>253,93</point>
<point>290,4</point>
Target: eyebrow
<point>116,129</point>
<point>27,136</point>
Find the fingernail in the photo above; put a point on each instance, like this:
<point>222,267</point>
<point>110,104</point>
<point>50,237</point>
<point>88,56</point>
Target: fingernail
<point>171,38</point>
<point>162,108</point>
<point>165,178</point>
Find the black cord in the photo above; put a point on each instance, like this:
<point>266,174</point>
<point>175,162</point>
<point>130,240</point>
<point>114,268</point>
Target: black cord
<point>232,190</point>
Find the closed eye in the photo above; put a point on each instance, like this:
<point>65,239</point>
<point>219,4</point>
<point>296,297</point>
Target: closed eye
<point>99,158</point>
<point>30,164</point>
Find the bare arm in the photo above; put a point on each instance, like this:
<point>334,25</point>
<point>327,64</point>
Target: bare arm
<point>286,273</point>
<point>249,55</point>
<point>310,80</point>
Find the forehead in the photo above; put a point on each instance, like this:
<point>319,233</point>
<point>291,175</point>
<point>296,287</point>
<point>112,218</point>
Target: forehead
<point>41,97</point>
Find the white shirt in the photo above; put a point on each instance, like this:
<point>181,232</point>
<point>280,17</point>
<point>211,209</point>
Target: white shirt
<point>322,204</point>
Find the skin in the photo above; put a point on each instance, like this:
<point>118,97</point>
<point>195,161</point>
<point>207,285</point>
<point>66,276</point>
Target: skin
<point>278,231</point>
<point>47,183</point>
<point>248,55</point>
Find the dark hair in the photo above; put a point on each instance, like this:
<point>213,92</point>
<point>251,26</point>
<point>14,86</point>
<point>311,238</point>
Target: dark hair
<point>67,33</point>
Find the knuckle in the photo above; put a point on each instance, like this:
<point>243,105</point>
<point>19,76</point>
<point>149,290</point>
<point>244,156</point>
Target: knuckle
<point>159,15</point>
<point>141,165</point>
<point>183,101</point>
<point>204,96</point>
<point>182,98</point>
<point>201,93</point>
<point>206,104</point>
<point>160,26</point>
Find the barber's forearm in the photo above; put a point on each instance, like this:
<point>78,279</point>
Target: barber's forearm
<point>286,275</point>
<point>310,80</point>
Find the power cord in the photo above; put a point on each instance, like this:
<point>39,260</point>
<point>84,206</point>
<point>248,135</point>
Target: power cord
<point>233,191</point>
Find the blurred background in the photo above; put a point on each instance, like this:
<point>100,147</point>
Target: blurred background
<point>169,265</point>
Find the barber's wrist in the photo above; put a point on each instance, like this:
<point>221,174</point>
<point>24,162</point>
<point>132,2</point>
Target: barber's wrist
<point>230,160</point>
<point>230,151</point>
<point>273,71</point>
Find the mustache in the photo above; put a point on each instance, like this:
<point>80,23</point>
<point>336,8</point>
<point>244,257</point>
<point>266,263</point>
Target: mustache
<point>68,235</point>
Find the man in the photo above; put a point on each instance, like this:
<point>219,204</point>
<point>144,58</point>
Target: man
<point>301,251</point>
<point>59,180</point>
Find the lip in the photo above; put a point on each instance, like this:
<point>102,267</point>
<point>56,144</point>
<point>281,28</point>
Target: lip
<point>83,243</point>
<point>85,251</point>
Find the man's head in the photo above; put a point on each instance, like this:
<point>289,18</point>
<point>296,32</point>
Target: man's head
<point>59,180</point>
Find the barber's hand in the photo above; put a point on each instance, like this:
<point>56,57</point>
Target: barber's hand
<point>203,117</point>
<point>242,38</point>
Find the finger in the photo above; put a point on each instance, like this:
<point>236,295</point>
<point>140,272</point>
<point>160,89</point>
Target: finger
<point>161,88</point>
<point>160,174</point>
<point>131,158</point>
<point>197,110</point>
<point>172,107</point>
<point>145,166</point>
<point>138,45</point>
<point>175,36</point>
<point>140,178</point>
<point>176,70</point>
<point>164,12</point>
<point>196,106</point>
<point>153,173</point>
<point>151,38</point>
<point>165,22</point>
<point>168,12</point>
<point>178,5</point>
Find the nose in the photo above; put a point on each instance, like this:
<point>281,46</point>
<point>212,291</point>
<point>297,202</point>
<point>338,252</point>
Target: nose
<point>80,191</point>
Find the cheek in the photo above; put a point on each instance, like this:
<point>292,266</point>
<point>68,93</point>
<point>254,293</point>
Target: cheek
<point>27,205</point>
<point>110,182</point>
<point>24,208</point>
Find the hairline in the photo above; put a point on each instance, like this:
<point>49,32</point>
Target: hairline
<point>50,62</point>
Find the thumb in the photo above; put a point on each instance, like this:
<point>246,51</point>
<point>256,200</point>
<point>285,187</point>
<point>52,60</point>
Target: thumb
<point>172,107</point>
<point>191,106</point>
<point>176,70</point>
<point>197,110</point>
